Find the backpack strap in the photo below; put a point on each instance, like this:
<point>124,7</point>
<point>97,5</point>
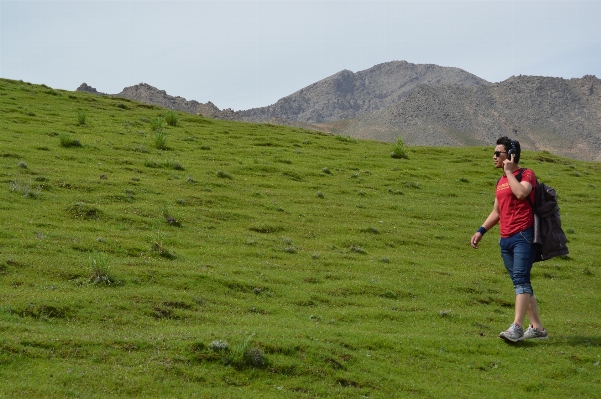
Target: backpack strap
<point>518,176</point>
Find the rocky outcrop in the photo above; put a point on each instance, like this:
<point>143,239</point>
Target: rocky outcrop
<point>89,89</point>
<point>148,94</point>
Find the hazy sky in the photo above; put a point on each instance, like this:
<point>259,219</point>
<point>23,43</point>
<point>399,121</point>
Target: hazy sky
<point>245,54</point>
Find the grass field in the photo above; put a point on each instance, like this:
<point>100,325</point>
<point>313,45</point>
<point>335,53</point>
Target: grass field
<point>147,253</point>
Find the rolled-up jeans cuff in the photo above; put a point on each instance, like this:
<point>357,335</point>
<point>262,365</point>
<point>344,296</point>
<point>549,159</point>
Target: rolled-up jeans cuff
<point>524,289</point>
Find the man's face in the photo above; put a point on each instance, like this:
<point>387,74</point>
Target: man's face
<point>499,156</point>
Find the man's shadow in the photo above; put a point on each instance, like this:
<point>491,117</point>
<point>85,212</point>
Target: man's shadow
<point>579,340</point>
<point>576,340</point>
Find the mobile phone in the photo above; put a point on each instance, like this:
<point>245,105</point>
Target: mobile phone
<point>513,151</point>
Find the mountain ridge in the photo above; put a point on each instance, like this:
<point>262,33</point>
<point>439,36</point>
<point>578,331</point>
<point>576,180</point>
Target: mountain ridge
<point>347,94</point>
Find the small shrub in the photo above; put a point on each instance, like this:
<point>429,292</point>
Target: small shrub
<point>170,218</point>
<point>84,211</point>
<point>67,141</point>
<point>81,118</point>
<point>320,195</point>
<point>171,118</point>
<point>175,165</point>
<point>255,358</point>
<point>399,150</point>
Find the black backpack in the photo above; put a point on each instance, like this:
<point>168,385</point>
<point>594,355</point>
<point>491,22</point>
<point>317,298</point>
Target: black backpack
<point>549,238</point>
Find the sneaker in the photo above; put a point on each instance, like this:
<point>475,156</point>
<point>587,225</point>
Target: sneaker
<point>514,333</point>
<point>532,332</point>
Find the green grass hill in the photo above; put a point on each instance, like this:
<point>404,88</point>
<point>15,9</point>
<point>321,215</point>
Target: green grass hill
<point>149,253</point>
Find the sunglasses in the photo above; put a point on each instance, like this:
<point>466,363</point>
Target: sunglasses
<point>498,153</point>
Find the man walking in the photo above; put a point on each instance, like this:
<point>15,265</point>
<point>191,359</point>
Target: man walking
<point>515,216</point>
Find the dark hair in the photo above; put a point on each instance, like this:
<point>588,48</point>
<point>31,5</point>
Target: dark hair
<point>508,144</point>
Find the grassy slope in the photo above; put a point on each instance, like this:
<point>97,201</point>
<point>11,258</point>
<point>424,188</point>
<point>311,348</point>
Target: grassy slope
<point>349,270</point>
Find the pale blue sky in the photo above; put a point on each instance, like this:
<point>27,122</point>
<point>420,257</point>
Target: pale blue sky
<point>244,54</point>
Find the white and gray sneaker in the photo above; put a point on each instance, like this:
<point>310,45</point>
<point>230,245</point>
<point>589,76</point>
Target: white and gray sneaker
<point>514,333</point>
<point>532,332</point>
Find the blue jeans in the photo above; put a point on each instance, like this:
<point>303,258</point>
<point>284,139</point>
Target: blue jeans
<point>518,255</point>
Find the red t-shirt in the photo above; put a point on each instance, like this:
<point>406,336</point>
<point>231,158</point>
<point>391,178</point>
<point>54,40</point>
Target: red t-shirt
<point>514,215</point>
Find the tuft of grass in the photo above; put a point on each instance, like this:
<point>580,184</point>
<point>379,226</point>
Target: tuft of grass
<point>158,245</point>
<point>67,141</point>
<point>171,118</point>
<point>399,151</point>
<point>20,185</point>
<point>224,175</point>
<point>157,124</point>
<point>81,118</point>
<point>81,210</point>
<point>99,269</point>
<point>244,355</point>
<point>170,218</point>
<point>159,140</point>
<point>347,139</point>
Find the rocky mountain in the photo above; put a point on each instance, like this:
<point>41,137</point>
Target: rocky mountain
<point>148,94</point>
<point>347,94</point>
<point>543,113</point>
